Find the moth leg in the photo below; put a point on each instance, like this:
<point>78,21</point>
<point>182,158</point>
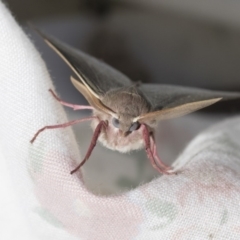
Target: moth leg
<point>97,131</point>
<point>75,107</point>
<point>146,137</point>
<point>155,155</point>
<point>63,125</point>
<point>150,152</point>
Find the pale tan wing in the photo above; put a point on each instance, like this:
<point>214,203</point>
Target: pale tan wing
<point>176,111</point>
<point>162,96</point>
<point>171,101</point>
<point>92,100</point>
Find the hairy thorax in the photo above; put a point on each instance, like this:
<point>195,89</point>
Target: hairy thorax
<point>128,103</point>
<point>111,138</point>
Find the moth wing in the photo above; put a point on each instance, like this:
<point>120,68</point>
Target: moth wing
<point>169,101</point>
<point>178,111</point>
<point>97,76</point>
<point>92,100</point>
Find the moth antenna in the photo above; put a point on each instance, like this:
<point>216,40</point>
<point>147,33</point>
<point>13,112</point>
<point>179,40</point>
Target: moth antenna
<point>74,106</point>
<point>63,125</point>
<point>151,152</point>
<point>93,143</point>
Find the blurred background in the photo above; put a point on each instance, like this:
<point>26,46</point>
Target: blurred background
<point>193,43</point>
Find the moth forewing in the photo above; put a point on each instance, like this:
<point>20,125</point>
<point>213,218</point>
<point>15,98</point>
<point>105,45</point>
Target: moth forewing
<point>92,100</point>
<point>53,46</point>
<point>176,111</point>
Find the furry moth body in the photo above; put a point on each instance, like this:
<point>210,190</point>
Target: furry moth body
<point>125,114</point>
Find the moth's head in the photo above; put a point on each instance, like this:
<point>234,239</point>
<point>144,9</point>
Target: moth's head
<point>128,103</point>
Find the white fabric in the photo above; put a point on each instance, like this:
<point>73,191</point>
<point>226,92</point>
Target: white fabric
<point>24,103</point>
<point>13,222</point>
<point>201,202</point>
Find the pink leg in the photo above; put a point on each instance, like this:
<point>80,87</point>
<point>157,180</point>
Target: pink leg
<point>93,143</point>
<point>150,149</point>
<point>75,107</point>
<point>155,155</point>
<point>60,126</point>
<point>147,146</point>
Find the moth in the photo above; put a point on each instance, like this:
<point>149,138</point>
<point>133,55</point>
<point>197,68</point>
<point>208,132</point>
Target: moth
<point>125,114</point>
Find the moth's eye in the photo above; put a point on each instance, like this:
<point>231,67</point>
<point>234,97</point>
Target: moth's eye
<point>134,126</point>
<point>115,122</point>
